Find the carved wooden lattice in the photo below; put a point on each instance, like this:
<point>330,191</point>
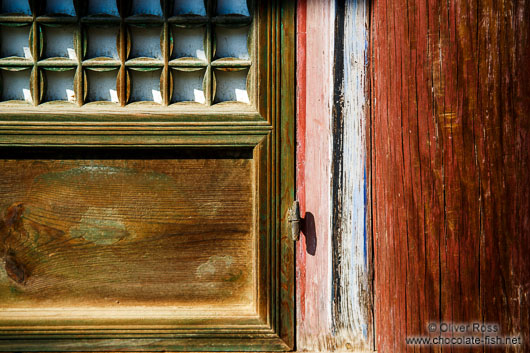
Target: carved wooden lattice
<point>121,52</point>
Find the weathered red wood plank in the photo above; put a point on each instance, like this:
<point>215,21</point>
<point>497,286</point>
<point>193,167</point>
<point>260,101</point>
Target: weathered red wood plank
<point>314,295</point>
<point>450,164</point>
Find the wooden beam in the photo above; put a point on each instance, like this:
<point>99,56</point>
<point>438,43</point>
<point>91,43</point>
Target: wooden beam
<point>315,93</point>
<point>351,241</point>
<point>450,167</point>
<point>334,292</point>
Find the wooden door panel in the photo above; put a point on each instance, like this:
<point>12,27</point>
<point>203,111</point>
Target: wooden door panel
<point>138,249</point>
<point>114,233</point>
<point>143,197</point>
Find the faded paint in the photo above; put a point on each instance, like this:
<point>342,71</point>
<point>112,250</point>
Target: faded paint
<point>15,85</point>
<point>188,86</point>
<point>145,86</point>
<point>102,42</point>
<point>189,43</point>
<point>131,226</point>
<point>215,265</point>
<point>14,41</point>
<point>352,267</point>
<point>231,43</point>
<point>329,320</point>
<point>98,7</point>
<point>301,92</point>
<point>186,7</point>
<point>59,86</point>
<point>60,7</point>
<point>231,86</point>
<point>102,86</point>
<point>19,7</point>
<point>145,42</point>
<point>59,42</point>
<point>314,280</point>
<point>230,7</point>
<point>102,226</point>
<point>147,7</point>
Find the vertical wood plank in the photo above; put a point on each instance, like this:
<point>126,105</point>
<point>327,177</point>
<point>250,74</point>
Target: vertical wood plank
<point>334,292</point>
<point>301,93</point>
<point>287,162</point>
<point>313,175</point>
<point>351,245</point>
<point>450,163</point>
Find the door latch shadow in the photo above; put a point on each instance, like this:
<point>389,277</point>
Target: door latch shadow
<point>308,228</point>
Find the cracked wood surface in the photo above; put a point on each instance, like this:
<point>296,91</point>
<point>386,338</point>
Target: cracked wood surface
<point>450,167</point>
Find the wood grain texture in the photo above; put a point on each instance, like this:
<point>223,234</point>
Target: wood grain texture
<point>266,128</point>
<point>314,296</point>
<point>450,168</point>
<point>333,263</point>
<point>87,318</point>
<point>286,177</point>
<point>127,233</point>
<point>351,243</point>
<point>301,102</point>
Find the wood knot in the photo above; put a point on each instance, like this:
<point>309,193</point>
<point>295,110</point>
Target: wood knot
<point>13,215</point>
<point>16,270</point>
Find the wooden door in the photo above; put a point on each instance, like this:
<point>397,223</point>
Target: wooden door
<point>146,169</point>
<point>450,169</point>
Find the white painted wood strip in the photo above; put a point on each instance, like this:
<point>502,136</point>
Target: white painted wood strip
<point>354,318</point>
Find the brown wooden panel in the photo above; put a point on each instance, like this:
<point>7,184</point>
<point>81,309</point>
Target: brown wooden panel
<point>450,167</point>
<point>113,233</point>
<point>193,254</point>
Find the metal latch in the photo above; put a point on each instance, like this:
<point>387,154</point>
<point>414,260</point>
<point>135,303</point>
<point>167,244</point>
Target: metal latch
<point>294,220</point>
